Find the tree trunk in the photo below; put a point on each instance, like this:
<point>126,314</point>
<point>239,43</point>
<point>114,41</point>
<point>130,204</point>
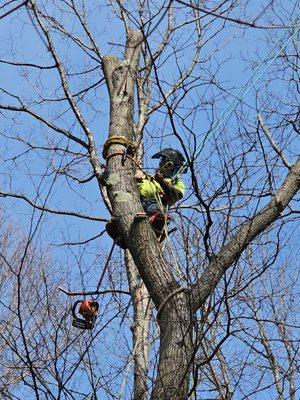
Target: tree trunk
<point>176,350</point>
<point>142,309</point>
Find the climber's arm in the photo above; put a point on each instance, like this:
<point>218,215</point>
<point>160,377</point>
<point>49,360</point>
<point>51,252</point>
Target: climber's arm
<point>171,193</point>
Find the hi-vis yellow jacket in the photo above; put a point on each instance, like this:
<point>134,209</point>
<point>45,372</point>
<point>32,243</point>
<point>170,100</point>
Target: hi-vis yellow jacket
<point>150,188</point>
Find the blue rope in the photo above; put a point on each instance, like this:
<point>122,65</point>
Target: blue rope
<point>232,105</point>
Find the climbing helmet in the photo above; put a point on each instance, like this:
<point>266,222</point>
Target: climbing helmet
<point>171,161</point>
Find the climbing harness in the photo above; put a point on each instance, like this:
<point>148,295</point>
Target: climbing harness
<point>173,159</point>
<point>88,309</point>
<point>159,220</point>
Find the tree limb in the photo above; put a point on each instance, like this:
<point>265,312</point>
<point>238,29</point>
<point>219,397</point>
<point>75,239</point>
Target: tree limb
<point>67,292</point>
<point>231,251</point>
<point>272,142</point>
<point>52,211</point>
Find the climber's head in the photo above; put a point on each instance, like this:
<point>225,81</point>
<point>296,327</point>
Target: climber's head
<point>171,162</point>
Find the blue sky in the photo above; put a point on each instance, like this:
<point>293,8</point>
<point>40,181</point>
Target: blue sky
<point>19,39</point>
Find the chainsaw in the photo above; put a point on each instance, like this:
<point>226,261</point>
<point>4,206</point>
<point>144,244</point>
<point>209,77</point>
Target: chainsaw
<point>88,309</point>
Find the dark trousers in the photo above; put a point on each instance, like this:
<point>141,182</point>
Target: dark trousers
<point>151,206</point>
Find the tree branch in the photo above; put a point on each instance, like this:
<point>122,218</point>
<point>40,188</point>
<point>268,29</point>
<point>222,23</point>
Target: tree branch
<point>14,9</point>
<point>231,251</point>
<point>94,159</point>
<point>239,21</point>
<point>52,211</point>
<point>45,121</point>
<point>278,150</point>
<point>93,292</point>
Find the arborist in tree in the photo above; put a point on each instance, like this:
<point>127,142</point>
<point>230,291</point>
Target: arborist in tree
<point>158,193</point>
<point>165,188</point>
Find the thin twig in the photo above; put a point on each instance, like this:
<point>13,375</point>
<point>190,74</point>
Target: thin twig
<point>277,149</point>
<point>14,9</point>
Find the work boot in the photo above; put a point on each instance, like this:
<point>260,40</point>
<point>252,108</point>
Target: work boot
<point>158,221</point>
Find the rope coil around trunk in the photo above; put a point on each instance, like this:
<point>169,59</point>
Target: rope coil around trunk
<point>130,146</point>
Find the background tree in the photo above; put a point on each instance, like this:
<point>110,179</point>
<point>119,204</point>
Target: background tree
<point>200,295</point>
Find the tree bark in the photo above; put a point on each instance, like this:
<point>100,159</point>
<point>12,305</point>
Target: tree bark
<point>142,309</point>
<point>121,185</point>
<point>139,236</point>
<point>176,349</point>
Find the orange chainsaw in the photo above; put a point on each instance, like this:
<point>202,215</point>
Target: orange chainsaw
<point>88,309</point>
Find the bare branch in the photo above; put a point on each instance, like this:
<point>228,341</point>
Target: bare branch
<point>248,231</point>
<point>278,150</point>
<point>92,145</point>
<point>20,64</point>
<point>13,9</point>
<point>91,293</point>
<point>52,211</point>
<point>45,121</point>
<point>251,24</point>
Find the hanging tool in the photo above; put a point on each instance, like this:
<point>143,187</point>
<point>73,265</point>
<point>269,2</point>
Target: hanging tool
<point>88,309</point>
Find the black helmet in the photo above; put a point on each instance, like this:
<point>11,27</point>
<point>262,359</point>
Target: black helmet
<point>171,161</point>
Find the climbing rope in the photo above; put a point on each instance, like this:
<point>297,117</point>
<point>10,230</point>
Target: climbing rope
<point>176,267</point>
<point>130,146</point>
<point>168,298</point>
<point>130,150</point>
<point>127,370</point>
<point>245,88</point>
<point>104,269</point>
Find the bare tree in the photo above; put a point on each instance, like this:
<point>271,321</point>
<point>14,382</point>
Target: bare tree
<point>187,294</point>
